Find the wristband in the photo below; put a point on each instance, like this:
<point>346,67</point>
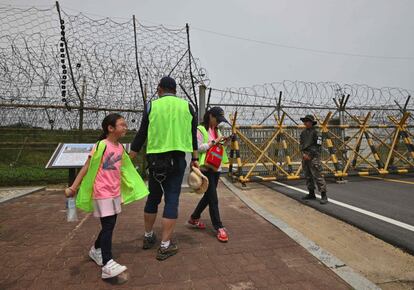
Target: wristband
<point>194,159</point>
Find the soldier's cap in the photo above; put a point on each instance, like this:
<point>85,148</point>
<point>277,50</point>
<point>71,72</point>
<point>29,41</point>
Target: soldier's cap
<point>167,83</point>
<point>309,118</point>
<point>218,113</point>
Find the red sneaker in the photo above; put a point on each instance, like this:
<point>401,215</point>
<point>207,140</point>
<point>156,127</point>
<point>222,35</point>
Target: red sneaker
<point>196,223</point>
<point>222,235</point>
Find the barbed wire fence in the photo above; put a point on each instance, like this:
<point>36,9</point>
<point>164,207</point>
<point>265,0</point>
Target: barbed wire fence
<point>61,73</point>
<point>62,70</point>
<point>56,65</point>
<point>258,104</point>
<point>348,109</point>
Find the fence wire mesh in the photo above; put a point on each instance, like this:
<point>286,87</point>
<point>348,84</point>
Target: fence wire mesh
<point>61,73</point>
<point>54,64</point>
<point>258,104</point>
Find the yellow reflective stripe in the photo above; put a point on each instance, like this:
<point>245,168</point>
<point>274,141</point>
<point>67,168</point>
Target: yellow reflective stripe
<point>329,143</point>
<point>268,178</point>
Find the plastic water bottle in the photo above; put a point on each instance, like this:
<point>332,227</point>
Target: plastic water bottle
<point>71,209</point>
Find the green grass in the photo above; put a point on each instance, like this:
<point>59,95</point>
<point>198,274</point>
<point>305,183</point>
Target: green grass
<point>22,160</point>
<point>25,175</point>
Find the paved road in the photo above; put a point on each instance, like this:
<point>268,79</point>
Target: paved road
<point>384,198</point>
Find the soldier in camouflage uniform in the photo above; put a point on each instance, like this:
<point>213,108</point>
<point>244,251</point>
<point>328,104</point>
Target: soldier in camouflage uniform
<point>310,146</point>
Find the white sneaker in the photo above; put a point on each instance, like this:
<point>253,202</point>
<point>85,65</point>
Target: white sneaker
<point>96,255</point>
<point>112,269</point>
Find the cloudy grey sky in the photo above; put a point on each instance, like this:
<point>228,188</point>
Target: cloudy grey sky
<point>383,29</point>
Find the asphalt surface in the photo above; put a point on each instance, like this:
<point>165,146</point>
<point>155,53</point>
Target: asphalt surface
<point>392,197</point>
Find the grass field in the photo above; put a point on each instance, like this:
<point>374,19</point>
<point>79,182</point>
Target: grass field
<point>25,152</point>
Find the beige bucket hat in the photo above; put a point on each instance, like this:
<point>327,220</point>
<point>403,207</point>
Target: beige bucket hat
<point>197,181</point>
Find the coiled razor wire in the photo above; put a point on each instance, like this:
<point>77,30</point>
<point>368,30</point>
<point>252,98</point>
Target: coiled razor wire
<point>259,104</point>
<point>44,90</point>
<point>38,87</point>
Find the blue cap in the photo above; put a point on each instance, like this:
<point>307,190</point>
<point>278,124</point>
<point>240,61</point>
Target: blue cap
<point>167,83</point>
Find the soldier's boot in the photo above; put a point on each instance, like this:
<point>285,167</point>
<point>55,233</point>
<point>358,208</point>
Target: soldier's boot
<point>310,196</point>
<point>324,199</point>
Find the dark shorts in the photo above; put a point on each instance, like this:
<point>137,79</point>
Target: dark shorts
<point>170,188</point>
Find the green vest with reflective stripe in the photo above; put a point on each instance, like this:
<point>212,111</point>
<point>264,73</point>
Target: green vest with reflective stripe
<point>170,123</point>
<point>132,186</point>
<point>202,156</point>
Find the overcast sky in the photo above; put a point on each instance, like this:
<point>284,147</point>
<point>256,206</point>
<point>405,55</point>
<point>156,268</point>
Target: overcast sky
<point>379,28</point>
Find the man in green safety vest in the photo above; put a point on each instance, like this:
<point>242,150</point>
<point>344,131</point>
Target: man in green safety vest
<point>169,124</point>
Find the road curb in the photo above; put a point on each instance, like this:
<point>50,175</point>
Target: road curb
<point>350,276</point>
<point>23,193</point>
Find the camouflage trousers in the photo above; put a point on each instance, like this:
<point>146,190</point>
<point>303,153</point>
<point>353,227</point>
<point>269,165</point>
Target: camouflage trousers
<point>313,174</point>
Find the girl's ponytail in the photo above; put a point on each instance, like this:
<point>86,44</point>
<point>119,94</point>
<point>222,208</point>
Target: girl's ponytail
<point>102,136</point>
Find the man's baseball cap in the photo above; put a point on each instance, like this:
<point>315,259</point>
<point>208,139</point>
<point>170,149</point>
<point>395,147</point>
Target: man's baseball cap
<point>218,113</point>
<point>167,83</point>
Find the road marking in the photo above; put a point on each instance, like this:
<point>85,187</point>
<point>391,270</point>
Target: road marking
<point>357,209</point>
<point>389,179</point>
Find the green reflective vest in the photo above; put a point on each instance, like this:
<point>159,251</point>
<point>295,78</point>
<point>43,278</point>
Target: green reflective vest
<point>169,126</point>
<point>202,157</point>
<point>132,186</point>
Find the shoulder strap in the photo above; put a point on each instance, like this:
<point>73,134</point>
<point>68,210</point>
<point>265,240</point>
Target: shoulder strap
<point>148,107</point>
<point>97,145</point>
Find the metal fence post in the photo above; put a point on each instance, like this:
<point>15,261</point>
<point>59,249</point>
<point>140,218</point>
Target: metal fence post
<point>201,102</point>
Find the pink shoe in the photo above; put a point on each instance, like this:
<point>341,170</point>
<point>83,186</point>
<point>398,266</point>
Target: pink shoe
<point>222,235</point>
<point>196,223</point>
